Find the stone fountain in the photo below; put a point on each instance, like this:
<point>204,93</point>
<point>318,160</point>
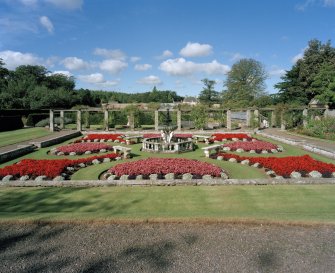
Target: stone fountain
<point>167,141</point>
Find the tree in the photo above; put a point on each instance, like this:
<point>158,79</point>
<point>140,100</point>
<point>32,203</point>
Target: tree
<point>298,84</point>
<point>199,116</point>
<point>323,85</point>
<point>208,95</point>
<point>245,82</point>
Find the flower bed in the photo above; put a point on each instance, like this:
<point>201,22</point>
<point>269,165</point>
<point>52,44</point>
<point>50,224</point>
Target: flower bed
<point>102,138</point>
<point>32,168</point>
<point>81,148</point>
<point>165,166</point>
<point>256,146</point>
<point>175,135</point>
<point>230,136</point>
<point>290,166</point>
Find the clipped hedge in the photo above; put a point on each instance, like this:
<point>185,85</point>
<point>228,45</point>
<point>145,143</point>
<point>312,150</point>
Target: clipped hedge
<point>8,123</point>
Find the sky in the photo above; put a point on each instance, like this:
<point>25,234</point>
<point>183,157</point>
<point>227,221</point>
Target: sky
<point>134,45</point>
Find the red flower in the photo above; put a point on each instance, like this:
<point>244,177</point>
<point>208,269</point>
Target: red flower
<point>80,148</point>
<point>164,166</point>
<point>229,136</point>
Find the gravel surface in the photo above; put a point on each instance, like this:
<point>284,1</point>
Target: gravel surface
<point>180,247</point>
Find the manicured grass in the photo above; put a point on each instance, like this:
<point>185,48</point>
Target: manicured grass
<point>16,136</point>
<point>281,203</point>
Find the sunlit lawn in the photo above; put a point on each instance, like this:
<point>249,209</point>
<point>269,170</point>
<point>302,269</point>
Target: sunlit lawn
<point>16,136</point>
<point>281,203</point>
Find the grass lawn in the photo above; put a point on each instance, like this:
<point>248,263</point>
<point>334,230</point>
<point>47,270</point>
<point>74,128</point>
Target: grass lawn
<point>16,136</point>
<point>280,203</point>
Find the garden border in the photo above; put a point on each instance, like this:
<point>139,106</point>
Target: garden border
<point>174,182</point>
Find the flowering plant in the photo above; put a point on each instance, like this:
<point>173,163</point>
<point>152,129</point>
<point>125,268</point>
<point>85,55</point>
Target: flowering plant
<point>284,166</point>
<point>80,148</point>
<point>251,145</point>
<point>164,166</point>
<point>230,136</point>
<point>48,167</point>
<point>105,137</point>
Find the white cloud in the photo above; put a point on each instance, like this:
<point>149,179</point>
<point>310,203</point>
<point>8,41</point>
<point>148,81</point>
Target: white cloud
<point>299,56</point>
<point>277,72</point>
<point>164,55</point>
<point>74,63</point>
<point>92,78</point>
<point>309,3</point>
<point>181,67</point>
<point>196,50</point>
<point>113,66</point>
<point>62,72</point>
<point>116,54</point>
<point>13,59</point>
<point>135,59</point>
<point>66,4</point>
<point>47,24</point>
<point>97,79</point>
<point>150,80</point>
<point>329,3</point>
<point>142,67</point>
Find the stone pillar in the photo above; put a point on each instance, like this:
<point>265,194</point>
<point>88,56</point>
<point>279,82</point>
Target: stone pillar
<point>87,120</point>
<point>326,113</point>
<point>256,117</point>
<point>282,122</point>
<point>51,118</point>
<point>106,120</point>
<point>131,121</point>
<point>248,118</point>
<point>304,117</point>
<point>156,120</point>
<point>228,119</point>
<point>61,119</point>
<point>179,120</point>
<point>79,120</point>
<point>273,119</point>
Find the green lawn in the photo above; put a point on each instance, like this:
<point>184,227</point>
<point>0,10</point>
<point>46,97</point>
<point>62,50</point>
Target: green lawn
<point>13,137</point>
<point>234,170</point>
<point>281,203</point>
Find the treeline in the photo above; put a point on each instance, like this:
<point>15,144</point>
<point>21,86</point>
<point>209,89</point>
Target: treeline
<point>34,87</point>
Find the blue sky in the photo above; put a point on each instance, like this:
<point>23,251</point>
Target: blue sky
<point>132,45</point>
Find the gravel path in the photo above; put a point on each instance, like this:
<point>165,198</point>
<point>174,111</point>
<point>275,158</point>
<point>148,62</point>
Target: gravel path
<point>166,248</point>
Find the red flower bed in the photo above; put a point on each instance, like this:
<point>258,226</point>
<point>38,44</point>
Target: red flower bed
<point>175,135</point>
<point>229,136</point>
<point>151,135</point>
<point>251,145</point>
<point>50,168</point>
<point>92,137</point>
<point>284,166</point>
<point>80,148</point>
<point>164,166</point>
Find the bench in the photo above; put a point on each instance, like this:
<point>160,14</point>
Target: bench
<point>125,150</point>
<point>209,149</point>
<point>136,138</point>
<point>205,138</point>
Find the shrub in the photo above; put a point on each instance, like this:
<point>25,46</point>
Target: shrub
<point>8,123</point>
<point>46,122</point>
<point>35,118</point>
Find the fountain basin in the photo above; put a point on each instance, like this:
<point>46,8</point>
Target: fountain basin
<point>157,145</point>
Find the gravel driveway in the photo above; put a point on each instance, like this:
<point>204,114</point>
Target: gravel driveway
<point>166,248</point>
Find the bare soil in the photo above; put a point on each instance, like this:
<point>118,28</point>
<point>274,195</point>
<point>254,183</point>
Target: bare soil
<point>166,247</point>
